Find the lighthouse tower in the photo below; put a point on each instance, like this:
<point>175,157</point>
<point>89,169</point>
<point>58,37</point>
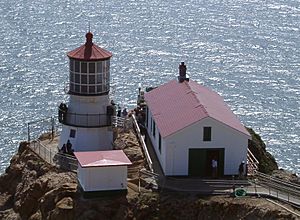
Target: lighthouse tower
<point>86,118</point>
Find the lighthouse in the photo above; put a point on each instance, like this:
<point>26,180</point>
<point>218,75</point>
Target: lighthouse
<point>87,117</point>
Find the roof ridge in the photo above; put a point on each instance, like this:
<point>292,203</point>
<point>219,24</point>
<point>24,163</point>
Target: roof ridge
<point>198,101</point>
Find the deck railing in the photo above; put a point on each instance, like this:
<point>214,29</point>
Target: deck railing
<point>84,120</point>
<point>66,161</point>
<point>278,188</point>
<point>44,152</point>
<point>141,139</point>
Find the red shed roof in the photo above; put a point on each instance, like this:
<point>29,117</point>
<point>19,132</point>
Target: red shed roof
<point>175,106</point>
<point>102,158</point>
<point>89,51</point>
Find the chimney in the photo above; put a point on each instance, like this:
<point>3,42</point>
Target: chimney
<point>182,73</point>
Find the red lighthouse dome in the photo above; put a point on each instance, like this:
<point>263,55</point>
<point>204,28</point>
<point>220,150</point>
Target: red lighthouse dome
<point>89,51</point>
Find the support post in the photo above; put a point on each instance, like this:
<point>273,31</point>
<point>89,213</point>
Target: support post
<point>233,185</point>
<point>52,128</point>
<point>28,132</point>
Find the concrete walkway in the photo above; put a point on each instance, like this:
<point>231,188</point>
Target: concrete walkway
<point>214,186</point>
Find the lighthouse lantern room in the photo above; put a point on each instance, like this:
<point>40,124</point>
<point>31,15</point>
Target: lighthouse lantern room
<point>87,117</point>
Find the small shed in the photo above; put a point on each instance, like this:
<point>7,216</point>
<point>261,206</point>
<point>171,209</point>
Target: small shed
<point>102,170</point>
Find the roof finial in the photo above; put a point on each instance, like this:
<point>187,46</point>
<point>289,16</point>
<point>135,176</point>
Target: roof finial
<point>89,26</point>
<point>89,38</point>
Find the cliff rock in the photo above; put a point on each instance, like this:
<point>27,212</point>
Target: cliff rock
<point>32,189</point>
<point>267,162</point>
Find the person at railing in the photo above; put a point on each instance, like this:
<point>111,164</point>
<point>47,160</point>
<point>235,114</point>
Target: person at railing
<point>63,149</point>
<point>241,170</point>
<point>119,111</point>
<point>124,113</point>
<point>62,112</point>
<point>69,148</point>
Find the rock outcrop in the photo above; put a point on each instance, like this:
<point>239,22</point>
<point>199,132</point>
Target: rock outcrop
<point>32,189</point>
<point>267,162</point>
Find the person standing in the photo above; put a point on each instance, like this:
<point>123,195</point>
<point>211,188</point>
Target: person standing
<point>241,170</point>
<point>119,111</point>
<point>214,164</point>
<point>124,113</point>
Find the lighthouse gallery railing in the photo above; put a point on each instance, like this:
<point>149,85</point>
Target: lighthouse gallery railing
<point>84,120</point>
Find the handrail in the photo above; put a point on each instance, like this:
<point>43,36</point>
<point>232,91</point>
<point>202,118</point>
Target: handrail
<point>252,163</point>
<point>252,156</point>
<point>138,131</point>
<point>277,180</point>
<point>84,120</point>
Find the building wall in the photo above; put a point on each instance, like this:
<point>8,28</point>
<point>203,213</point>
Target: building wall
<point>87,139</point>
<point>174,156</point>
<point>234,142</point>
<point>161,155</point>
<point>88,104</point>
<point>103,178</point>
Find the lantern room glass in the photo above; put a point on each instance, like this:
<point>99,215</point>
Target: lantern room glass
<point>89,78</point>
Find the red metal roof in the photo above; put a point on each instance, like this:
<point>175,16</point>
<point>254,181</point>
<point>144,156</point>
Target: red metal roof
<point>89,51</point>
<point>102,158</point>
<point>175,106</point>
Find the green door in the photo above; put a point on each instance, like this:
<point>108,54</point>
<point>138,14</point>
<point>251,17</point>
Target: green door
<point>197,162</point>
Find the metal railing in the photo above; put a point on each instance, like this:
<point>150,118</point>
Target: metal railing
<point>45,153</point>
<point>278,188</point>
<point>47,125</point>
<point>84,120</point>
<point>66,161</point>
<point>141,139</point>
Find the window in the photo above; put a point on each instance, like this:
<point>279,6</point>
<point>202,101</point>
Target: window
<point>77,78</point>
<point>84,67</point>
<point>71,65</point>
<point>159,143</point>
<point>84,89</point>
<point>92,79</point>
<point>207,134</point>
<point>99,89</point>
<point>77,66</point>
<point>71,86</point>
<point>72,133</point>
<point>99,78</point>
<point>77,88</point>
<point>91,67</point>
<point>153,128</point>
<point>99,67</point>
<point>83,79</point>
<point>92,89</point>
<point>72,76</point>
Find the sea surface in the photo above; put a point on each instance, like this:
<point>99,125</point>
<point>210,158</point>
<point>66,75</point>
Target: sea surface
<point>246,50</point>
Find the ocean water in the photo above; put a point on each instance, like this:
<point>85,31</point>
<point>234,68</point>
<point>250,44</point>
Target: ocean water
<point>247,51</point>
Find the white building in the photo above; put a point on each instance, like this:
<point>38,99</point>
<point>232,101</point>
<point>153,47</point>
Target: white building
<point>190,125</point>
<point>86,118</point>
<point>102,170</point>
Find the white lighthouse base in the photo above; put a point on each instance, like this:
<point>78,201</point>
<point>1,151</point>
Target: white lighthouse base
<point>87,139</point>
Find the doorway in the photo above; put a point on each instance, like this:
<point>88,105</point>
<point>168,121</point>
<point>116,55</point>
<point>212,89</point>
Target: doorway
<point>200,162</point>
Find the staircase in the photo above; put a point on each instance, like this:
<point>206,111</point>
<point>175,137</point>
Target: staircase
<point>252,164</point>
